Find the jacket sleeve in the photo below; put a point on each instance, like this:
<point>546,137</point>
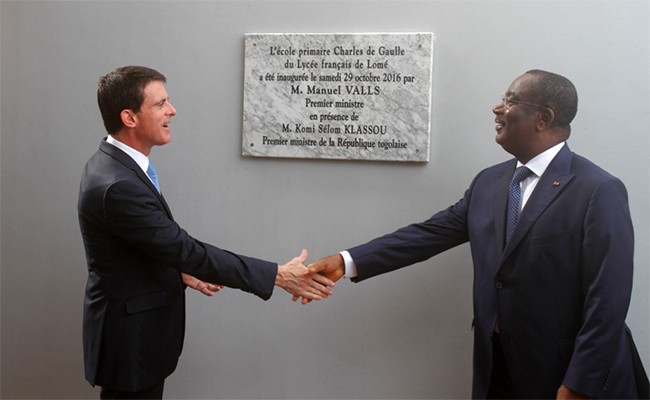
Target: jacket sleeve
<point>413,243</point>
<point>133,213</point>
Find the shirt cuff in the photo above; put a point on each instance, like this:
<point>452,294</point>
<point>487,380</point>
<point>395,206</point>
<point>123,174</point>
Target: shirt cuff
<point>350,266</point>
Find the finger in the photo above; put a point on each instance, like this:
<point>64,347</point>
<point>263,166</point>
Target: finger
<point>214,288</point>
<point>323,280</point>
<point>314,293</point>
<point>208,289</point>
<point>311,294</point>
<point>303,256</point>
<point>319,288</point>
<point>323,292</point>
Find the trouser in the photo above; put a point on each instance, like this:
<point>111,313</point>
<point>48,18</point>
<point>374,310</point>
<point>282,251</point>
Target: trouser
<point>500,384</point>
<point>155,392</point>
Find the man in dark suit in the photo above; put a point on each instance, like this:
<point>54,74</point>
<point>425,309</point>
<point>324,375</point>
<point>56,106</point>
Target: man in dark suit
<point>552,294</point>
<point>139,259</point>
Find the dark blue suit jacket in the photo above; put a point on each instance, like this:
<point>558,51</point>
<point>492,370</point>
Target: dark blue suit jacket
<point>134,308</point>
<point>560,288</point>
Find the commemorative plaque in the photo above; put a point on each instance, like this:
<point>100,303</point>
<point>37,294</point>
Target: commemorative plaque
<point>338,96</point>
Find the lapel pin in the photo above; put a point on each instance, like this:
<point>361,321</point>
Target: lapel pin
<point>556,183</point>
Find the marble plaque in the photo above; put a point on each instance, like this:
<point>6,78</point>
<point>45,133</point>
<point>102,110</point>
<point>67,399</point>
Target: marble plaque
<point>363,96</point>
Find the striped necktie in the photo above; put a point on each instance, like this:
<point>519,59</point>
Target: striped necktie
<point>514,198</point>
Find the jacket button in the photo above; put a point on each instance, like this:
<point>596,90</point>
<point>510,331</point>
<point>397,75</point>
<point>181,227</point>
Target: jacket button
<point>499,285</point>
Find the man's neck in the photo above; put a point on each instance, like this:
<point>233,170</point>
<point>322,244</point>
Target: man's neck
<point>131,141</point>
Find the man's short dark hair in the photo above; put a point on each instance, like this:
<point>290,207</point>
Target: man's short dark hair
<point>557,92</point>
<point>123,89</point>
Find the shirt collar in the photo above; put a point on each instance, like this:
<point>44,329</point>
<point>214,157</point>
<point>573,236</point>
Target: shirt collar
<point>139,158</point>
<point>539,164</point>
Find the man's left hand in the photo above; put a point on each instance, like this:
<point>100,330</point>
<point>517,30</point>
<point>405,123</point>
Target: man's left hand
<point>206,288</point>
<point>564,393</point>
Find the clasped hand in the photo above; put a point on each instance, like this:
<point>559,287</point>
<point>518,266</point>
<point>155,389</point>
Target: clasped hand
<point>330,267</point>
<point>300,281</point>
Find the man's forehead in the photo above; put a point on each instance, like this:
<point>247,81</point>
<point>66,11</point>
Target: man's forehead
<point>155,90</point>
<point>520,84</point>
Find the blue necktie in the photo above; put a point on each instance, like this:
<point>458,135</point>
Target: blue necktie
<point>153,174</point>
<point>514,198</point>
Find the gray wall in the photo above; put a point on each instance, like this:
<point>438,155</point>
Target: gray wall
<point>403,335</point>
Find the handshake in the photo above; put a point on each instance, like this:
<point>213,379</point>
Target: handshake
<point>312,282</point>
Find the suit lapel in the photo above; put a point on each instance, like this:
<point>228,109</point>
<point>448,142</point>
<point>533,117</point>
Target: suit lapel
<point>550,185</point>
<point>129,163</point>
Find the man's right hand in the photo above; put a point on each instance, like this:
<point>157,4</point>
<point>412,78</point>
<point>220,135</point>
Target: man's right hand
<point>300,281</point>
<point>331,267</point>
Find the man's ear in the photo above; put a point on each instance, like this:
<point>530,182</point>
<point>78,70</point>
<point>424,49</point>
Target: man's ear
<point>545,119</point>
<point>128,117</point>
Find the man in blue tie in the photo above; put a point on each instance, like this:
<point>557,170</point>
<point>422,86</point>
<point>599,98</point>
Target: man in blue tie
<point>551,292</point>
<point>139,259</point>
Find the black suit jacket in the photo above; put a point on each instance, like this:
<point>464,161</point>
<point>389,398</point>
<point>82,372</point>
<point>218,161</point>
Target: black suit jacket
<point>134,307</point>
<point>560,288</point>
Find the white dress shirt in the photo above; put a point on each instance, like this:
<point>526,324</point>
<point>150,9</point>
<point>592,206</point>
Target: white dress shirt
<point>139,158</point>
